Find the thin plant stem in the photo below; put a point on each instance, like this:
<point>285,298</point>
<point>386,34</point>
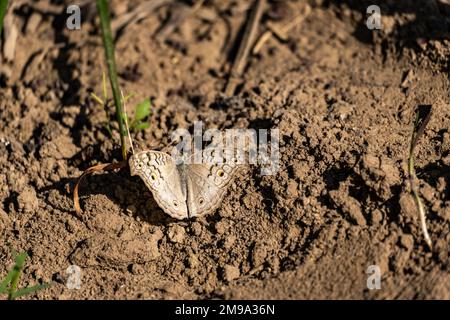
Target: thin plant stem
<point>102,7</point>
<point>126,122</point>
<point>3,7</point>
<point>418,129</point>
<point>419,204</point>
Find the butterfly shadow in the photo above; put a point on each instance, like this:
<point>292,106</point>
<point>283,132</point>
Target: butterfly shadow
<point>129,194</point>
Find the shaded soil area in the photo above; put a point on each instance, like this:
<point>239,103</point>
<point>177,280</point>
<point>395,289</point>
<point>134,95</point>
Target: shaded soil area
<point>343,98</point>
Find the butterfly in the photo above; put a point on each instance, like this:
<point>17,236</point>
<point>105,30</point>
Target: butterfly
<point>184,189</point>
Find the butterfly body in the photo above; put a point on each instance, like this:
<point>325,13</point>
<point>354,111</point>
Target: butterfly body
<point>184,190</point>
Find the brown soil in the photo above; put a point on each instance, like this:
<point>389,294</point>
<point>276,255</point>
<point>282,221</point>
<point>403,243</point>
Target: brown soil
<point>343,98</point>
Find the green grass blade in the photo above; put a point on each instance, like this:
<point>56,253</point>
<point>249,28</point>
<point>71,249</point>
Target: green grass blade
<point>105,93</point>
<point>13,277</point>
<point>17,271</point>
<point>127,97</point>
<point>142,110</point>
<point>102,7</point>
<point>9,276</point>
<point>29,290</point>
<point>97,98</point>
<point>6,281</point>
<point>3,7</point>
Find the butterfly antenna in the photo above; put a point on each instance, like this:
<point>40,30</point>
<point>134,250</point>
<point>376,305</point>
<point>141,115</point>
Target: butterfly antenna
<point>126,122</point>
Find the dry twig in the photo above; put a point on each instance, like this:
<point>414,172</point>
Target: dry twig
<point>178,15</point>
<point>281,32</point>
<point>247,42</point>
<point>138,13</point>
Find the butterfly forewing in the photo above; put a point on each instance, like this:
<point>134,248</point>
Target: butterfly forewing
<point>159,172</point>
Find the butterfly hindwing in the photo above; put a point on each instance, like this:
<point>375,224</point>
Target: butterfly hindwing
<point>207,183</point>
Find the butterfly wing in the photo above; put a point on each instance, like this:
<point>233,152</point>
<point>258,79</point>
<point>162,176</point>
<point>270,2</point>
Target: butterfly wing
<point>207,184</point>
<point>159,172</point>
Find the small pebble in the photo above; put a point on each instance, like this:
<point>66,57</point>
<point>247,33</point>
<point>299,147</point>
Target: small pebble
<point>230,273</point>
<point>196,228</point>
<point>176,234</point>
<point>28,201</point>
<point>407,241</point>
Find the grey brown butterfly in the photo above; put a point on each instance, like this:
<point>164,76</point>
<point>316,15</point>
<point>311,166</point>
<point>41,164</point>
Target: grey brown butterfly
<point>185,190</point>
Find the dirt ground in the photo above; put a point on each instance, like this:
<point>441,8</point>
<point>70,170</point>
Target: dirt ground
<point>343,98</point>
